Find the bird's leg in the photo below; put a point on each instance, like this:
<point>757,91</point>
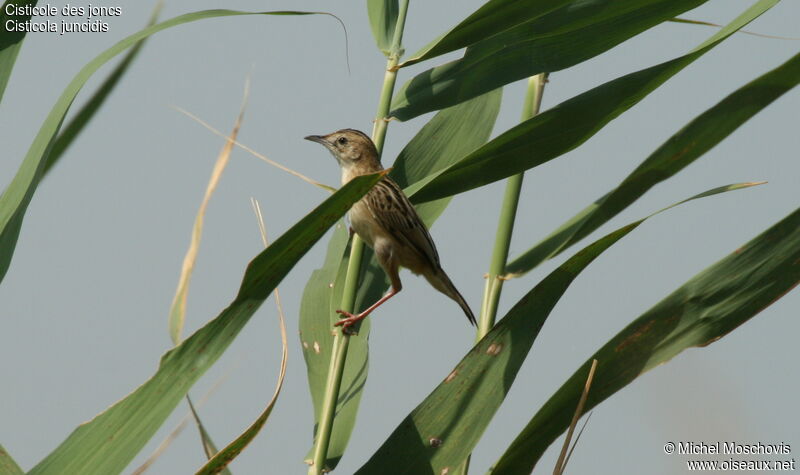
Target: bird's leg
<point>351,319</point>
<point>384,254</point>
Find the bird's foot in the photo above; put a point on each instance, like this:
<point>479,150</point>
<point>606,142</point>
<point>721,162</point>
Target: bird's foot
<point>348,321</point>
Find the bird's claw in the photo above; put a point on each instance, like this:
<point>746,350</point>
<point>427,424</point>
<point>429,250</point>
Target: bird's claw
<point>348,321</point>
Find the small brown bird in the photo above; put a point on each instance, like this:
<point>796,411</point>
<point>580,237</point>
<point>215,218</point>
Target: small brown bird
<point>387,222</point>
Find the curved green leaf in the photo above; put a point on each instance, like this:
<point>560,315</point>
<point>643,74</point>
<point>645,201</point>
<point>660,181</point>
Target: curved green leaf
<point>566,126</point>
<point>10,41</point>
<point>490,19</point>
<point>680,150</point>
<point>382,19</point>
<point>81,118</point>
<point>443,429</point>
<point>15,198</point>
<point>703,310</point>
<point>572,34</point>
<point>108,442</point>
<point>468,125</point>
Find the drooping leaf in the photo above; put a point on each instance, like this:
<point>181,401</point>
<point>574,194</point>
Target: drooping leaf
<point>108,442</point>
<point>572,34</point>
<point>11,41</point>
<point>566,126</point>
<point>700,312</point>
<point>450,134</point>
<point>17,195</point>
<point>209,447</point>
<point>382,19</point>
<point>176,431</point>
<point>177,311</point>
<point>687,145</point>
<point>443,429</point>
<point>220,460</point>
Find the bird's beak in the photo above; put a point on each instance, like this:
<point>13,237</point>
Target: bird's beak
<point>319,139</point>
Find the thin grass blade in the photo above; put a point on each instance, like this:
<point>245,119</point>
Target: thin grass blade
<point>444,428</point>
<point>260,156</point>
<point>563,458</point>
<point>177,311</point>
<point>744,32</point>
<point>578,438</point>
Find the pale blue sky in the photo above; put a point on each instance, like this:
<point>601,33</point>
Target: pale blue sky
<point>85,302</point>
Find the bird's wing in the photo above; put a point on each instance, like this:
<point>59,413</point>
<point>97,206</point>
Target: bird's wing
<point>394,212</point>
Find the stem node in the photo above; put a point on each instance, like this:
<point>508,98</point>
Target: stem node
<point>341,339</point>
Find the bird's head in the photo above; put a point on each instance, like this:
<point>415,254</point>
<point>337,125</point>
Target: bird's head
<point>353,149</point>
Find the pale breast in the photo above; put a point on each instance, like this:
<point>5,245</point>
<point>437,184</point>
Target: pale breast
<point>363,224</point>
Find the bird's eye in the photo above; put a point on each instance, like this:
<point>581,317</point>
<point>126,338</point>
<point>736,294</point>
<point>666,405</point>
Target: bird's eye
<point>342,140</point>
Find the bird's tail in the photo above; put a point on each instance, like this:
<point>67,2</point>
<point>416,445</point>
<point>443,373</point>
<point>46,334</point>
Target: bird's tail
<point>443,284</point>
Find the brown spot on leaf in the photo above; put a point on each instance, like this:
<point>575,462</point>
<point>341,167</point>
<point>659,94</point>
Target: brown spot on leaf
<point>305,345</point>
<point>494,349</point>
<point>316,347</point>
<point>674,317</point>
<point>682,152</point>
<point>451,376</point>
<point>635,336</point>
<point>444,471</point>
<point>435,442</point>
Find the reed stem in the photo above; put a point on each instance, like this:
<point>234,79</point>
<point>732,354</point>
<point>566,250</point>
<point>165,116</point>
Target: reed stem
<point>341,340</point>
<point>505,225</point>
